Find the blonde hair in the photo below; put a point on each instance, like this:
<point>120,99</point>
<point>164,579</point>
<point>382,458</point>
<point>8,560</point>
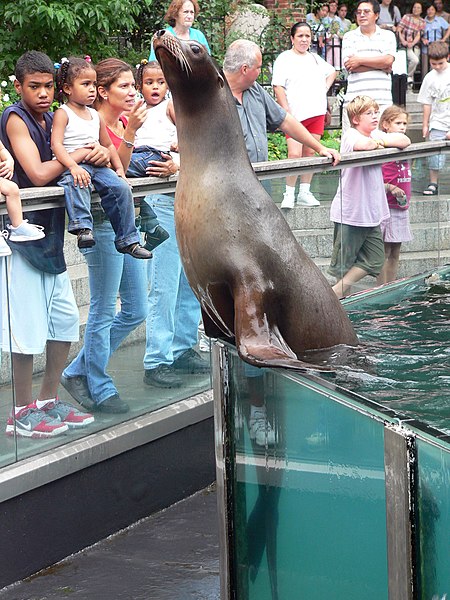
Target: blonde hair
<point>390,114</point>
<point>359,105</point>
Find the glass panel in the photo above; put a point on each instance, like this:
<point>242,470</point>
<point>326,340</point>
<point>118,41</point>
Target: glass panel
<point>7,443</point>
<point>434,520</point>
<point>308,484</point>
<point>313,229</point>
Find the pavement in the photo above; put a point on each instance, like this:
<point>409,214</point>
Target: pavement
<point>172,555</point>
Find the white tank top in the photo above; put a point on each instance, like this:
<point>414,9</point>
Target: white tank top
<point>157,131</point>
<point>80,132</point>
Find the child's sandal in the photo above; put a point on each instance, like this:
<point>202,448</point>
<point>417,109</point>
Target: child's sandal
<point>431,190</point>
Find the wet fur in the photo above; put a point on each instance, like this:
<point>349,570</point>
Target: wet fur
<point>253,280</point>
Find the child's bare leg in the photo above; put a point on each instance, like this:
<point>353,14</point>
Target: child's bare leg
<point>390,266</point>
<point>434,176</point>
<point>13,203</point>
<point>343,285</point>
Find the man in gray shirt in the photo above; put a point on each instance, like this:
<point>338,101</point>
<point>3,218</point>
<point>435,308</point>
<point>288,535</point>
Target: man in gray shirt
<point>257,110</point>
<point>258,113</point>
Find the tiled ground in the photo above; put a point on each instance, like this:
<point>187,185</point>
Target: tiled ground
<point>172,555</point>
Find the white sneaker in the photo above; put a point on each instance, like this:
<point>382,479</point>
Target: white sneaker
<point>203,344</point>
<point>307,199</point>
<point>5,250</point>
<point>25,232</point>
<point>288,200</point>
<point>260,429</point>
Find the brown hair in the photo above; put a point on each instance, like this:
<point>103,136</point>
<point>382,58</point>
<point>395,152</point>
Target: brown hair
<point>142,67</point>
<point>359,105</point>
<point>438,50</point>
<point>389,114</point>
<point>69,70</point>
<point>174,8</point>
<point>108,71</point>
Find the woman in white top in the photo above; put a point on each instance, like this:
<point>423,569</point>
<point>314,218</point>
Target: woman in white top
<point>300,82</point>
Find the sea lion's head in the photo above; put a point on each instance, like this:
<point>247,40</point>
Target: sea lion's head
<point>186,64</point>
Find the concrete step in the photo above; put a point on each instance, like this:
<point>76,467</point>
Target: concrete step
<point>432,237</point>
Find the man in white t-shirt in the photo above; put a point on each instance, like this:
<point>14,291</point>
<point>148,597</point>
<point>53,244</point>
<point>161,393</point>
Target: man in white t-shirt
<point>368,53</point>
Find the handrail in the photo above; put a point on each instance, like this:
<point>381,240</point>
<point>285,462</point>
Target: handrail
<point>52,196</point>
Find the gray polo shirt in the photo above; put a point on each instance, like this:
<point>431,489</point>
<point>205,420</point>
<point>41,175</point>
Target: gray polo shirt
<point>258,113</point>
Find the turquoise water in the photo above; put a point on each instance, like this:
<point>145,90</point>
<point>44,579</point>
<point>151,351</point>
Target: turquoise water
<point>309,512</point>
<point>406,336</point>
<point>309,516</point>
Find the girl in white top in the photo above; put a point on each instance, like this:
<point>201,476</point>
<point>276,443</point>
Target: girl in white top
<point>153,142</point>
<point>300,82</point>
<point>77,126</point>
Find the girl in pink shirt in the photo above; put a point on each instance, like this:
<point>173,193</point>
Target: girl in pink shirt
<point>397,181</point>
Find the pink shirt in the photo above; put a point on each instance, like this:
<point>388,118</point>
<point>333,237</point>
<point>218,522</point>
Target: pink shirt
<point>360,199</point>
<point>114,137</point>
<point>398,173</point>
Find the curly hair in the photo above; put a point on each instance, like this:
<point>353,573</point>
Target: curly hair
<point>174,8</point>
<point>142,67</point>
<point>33,62</point>
<point>68,71</point>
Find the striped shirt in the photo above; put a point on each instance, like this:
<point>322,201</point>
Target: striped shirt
<point>375,83</point>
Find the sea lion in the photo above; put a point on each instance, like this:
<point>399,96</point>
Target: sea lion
<point>252,278</point>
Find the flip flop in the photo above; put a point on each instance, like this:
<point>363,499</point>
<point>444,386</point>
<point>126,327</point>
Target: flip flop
<point>431,190</point>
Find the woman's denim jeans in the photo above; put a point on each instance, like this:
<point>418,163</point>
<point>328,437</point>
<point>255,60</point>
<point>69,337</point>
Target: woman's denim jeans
<point>173,310</point>
<point>116,199</point>
<point>109,273</point>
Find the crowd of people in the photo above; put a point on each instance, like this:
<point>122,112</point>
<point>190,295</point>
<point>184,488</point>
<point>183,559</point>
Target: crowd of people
<point>414,31</point>
<point>104,131</point>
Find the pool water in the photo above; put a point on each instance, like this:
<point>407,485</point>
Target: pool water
<point>406,337</point>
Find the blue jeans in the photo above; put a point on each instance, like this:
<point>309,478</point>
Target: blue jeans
<point>138,168</point>
<point>116,199</point>
<point>173,310</point>
<point>109,273</point>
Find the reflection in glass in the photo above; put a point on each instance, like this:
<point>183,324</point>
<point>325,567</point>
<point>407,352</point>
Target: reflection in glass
<point>305,505</point>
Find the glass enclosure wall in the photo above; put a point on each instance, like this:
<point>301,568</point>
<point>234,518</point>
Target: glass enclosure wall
<point>313,510</point>
<point>429,249</point>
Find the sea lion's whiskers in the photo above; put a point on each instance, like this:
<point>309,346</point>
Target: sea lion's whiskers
<point>178,54</point>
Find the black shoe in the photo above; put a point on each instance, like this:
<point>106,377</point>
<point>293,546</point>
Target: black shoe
<point>85,239</point>
<point>136,251</point>
<point>78,389</point>
<point>190,362</point>
<point>152,240</point>
<point>162,376</point>
<point>113,404</point>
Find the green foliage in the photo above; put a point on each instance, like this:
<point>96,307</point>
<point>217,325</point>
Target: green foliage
<point>58,28</point>
<point>331,138</point>
<point>277,146</point>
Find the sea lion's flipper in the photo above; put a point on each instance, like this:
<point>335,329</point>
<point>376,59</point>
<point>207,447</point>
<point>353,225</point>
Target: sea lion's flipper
<point>260,343</point>
<point>212,330</point>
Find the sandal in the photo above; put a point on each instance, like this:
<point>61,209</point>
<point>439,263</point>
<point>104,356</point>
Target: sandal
<point>431,190</point>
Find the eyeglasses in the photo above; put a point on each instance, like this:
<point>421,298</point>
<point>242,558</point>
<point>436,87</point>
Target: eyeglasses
<point>363,11</point>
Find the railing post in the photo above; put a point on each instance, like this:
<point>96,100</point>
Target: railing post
<point>399,465</point>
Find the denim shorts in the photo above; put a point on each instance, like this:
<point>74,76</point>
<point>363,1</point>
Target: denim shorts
<point>436,162</point>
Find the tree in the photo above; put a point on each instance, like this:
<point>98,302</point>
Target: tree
<point>58,28</point>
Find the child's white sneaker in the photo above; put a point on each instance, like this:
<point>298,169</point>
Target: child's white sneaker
<point>5,250</point>
<point>25,232</point>
<point>288,200</point>
<point>307,198</point>
<point>260,429</point>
